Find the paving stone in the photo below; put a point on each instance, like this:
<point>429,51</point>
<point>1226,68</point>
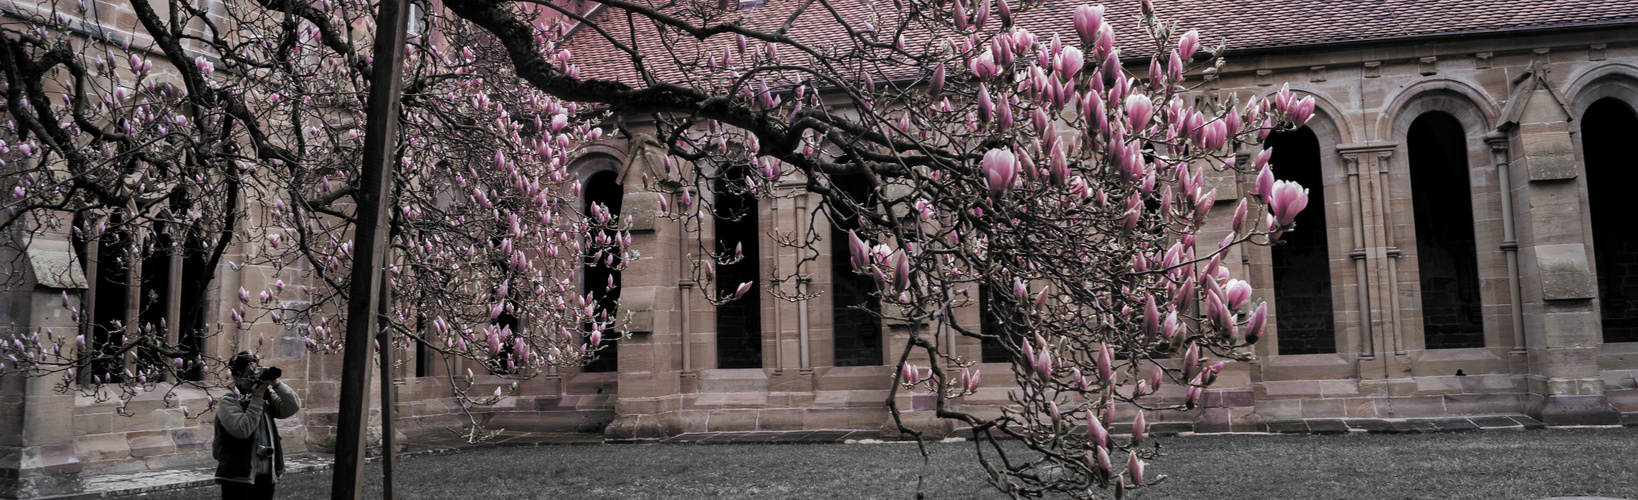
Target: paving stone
<point>1455,425</point>
<point>1288,426</point>
<point>718,438</point>
<point>827,436</point>
<point>1170,428</point>
<point>792,437</point>
<point>1327,426</point>
<point>1417,425</point>
<point>755,437</point>
<point>1494,422</point>
<point>1528,423</point>
<point>1376,425</point>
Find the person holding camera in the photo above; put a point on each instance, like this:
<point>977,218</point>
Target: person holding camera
<point>249,456</point>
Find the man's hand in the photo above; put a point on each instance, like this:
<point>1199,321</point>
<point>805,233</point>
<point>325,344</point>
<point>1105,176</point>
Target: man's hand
<point>259,390</point>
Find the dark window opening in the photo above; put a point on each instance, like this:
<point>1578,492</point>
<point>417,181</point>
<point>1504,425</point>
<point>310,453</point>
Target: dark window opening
<point>854,304</point>
<point>1452,316</point>
<point>423,352</point>
<point>111,298</point>
<point>739,322</point>
<point>191,330</point>
<point>603,189</point>
<point>1610,174</point>
<point>1301,265</point>
<point>993,350</point>
<point>505,325</point>
<point>154,292</point>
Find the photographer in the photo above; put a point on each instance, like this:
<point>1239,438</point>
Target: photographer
<point>247,448</point>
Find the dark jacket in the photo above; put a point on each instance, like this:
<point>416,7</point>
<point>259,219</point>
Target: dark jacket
<point>237,418</point>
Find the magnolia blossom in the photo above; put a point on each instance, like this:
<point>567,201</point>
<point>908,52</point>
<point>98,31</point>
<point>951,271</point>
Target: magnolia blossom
<point>1286,200</point>
<point>1000,168</point>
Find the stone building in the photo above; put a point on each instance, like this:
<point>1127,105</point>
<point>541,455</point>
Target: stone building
<point>1465,253</point>
<point>1454,259</point>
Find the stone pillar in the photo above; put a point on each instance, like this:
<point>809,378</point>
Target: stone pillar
<point>37,457</point>
<point>1557,285</point>
<point>794,374</point>
<point>650,385</point>
<point>1375,252</point>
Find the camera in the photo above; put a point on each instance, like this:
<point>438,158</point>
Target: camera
<point>266,374</point>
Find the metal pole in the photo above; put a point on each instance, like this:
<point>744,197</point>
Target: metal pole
<point>375,182</point>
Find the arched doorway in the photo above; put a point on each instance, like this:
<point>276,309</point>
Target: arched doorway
<point>1446,251</point>
<point>739,322</point>
<point>858,328</point>
<point>1303,316</point>
<point>602,188</point>
<point>1605,127</point>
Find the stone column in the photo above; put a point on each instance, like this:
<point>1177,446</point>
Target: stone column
<point>1375,251</point>
<point>650,389</point>
<point>1556,284</point>
<point>794,376</point>
<point>37,457</point>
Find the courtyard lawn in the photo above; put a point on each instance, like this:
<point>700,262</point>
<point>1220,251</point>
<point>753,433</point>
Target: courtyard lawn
<point>1490,465</point>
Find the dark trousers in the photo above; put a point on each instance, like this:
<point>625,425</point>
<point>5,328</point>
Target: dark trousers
<point>262,490</point>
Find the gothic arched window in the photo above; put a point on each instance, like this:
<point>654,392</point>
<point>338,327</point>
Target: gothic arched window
<point>1303,319</point>
<point>1446,252</point>
<point>1610,174</point>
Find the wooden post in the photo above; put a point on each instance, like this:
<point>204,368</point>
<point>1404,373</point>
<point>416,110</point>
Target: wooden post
<point>389,450</point>
<point>375,182</point>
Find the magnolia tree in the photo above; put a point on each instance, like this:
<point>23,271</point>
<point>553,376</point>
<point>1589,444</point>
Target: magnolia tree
<point>234,136</point>
<point>1064,174</point>
<point>1060,173</point>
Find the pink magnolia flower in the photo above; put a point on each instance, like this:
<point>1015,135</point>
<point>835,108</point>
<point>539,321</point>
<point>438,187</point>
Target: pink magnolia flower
<point>1095,430</point>
<point>743,287</point>
<point>1140,427</point>
<point>936,87</point>
<point>901,272</point>
<point>1172,325</point>
<point>1254,326</point>
<point>1000,169</point>
<point>1214,135</point>
<point>1189,44</point>
<point>984,66</point>
<point>859,251</point>
<point>1236,293</point>
<point>1088,22</point>
<point>1265,184</point>
<point>1106,364</point>
<point>1191,361</point>
<point>1287,200</point>
<point>1151,317</point>
<point>1069,62</point>
<point>1139,109</point>
<point>1058,165</point>
<point>1301,111</point>
<point>1105,48</point>
<point>986,105</point>
<point>1239,220</point>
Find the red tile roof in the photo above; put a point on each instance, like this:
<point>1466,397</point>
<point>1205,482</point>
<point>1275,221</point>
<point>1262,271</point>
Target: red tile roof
<point>1243,24</point>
